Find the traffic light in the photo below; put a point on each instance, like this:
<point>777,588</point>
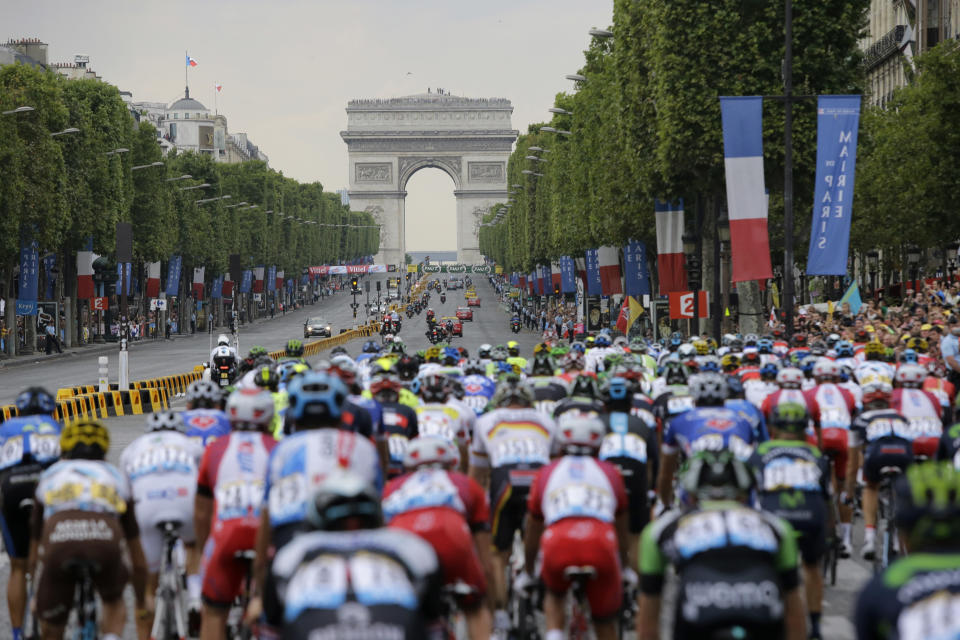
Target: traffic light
<point>556,289</point>
<point>408,276</point>
<point>105,273</point>
<point>355,283</point>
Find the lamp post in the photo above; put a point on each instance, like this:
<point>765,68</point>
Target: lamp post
<point>146,166</point>
<point>66,131</point>
<point>720,238</point>
<point>23,109</point>
<point>185,176</point>
<point>913,259</point>
<point>690,246</point>
<point>873,259</point>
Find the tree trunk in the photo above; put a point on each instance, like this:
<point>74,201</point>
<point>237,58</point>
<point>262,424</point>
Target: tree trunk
<point>751,307</point>
<point>71,308</point>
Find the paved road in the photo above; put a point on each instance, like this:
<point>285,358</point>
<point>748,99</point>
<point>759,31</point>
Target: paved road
<point>491,325</point>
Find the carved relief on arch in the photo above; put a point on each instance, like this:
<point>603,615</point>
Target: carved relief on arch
<point>452,165</point>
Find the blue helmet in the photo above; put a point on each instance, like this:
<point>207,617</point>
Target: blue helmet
<point>844,349</point>
<point>371,346</point>
<point>769,371</point>
<point>35,401</point>
<point>316,397</point>
<point>765,345</point>
<point>909,355</point>
<point>602,340</point>
<point>616,389</point>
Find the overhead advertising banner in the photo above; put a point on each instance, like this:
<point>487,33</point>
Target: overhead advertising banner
<point>838,119</point>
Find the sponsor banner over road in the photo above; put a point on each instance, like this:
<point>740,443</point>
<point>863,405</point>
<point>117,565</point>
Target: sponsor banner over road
<point>344,269</point>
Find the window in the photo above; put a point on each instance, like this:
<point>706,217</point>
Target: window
<point>186,115</point>
<point>176,116</point>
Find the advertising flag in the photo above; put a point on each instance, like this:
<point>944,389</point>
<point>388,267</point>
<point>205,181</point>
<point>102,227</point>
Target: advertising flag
<point>28,280</point>
<point>258,279</point>
<point>670,264</point>
<point>746,195</point>
<point>838,118</point>
<point>271,279</point>
<point>568,275</point>
<point>280,277</point>
<point>49,262</point>
<point>120,270</point>
<point>609,264</point>
<point>594,284</point>
<point>216,289</point>
<point>173,275</point>
<point>555,276</point>
<point>636,277</point>
<point>227,290</point>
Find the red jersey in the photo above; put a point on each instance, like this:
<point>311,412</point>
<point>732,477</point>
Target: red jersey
<point>781,396</point>
<point>437,489</point>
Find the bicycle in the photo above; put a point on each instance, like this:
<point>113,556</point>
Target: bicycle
<point>452,594</point>
<point>522,607</point>
<point>236,627</point>
<point>169,620</point>
<point>85,599</point>
<point>886,508</point>
<point>578,617</point>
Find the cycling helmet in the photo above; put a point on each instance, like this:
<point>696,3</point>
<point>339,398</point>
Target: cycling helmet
<point>708,389</point>
<point>434,452</point>
<point>474,367</point>
<point>675,372</point>
<point>877,390</point>
<point>450,357</point>
<point>483,352</point>
<point>286,371</point>
<point>602,340</point>
<point>34,401</point>
<point>511,390</point>
<point>791,417</point>
<point>807,364</point>
<point>638,345</point>
<point>542,365</point>
<point>769,371</point>
<point>718,475</point>
<point>844,349</point>
<point>616,390</point>
<point>874,350</point>
<point>294,348</point>
<point>686,351</point>
<point>832,340</point>
<point>918,344</point>
<point>513,348</point>
<point>710,364</point>
<point>204,394</point>
<point>910,376</point>
<point>734,387</point>
<point>371,346</point>
<point>398,347</point>
<point>406,368</point>
<point>928,503</point>
<point>790,378</point>
<point>257,351</point>
<point>164,421</point>
<point>86,439</point>
<point>344,501</point>
<point>223,340</point>
<point>818,348</point>
<point>584,386</point>
<point>798,340</point>
<point>702,347</point>
<point>750,340</point>
<point>266,377</point>
<point>250,410</point>
<point>499,352</point>
<point>433,354</point>
<point>578,434</point>
<point>826,370</point>
<point>573,361</point>
<point>909,356</point>
<point>344,368</point>
<point>765,345</point>
<point>385,382</point>
<point>316,399</point>
<point>736,344</point>
<point>338,351</point>
<point>578,346</point>
<point>434,388</point>
<point>730,362</point>
<point>751,357</point>
<point>612,361</point>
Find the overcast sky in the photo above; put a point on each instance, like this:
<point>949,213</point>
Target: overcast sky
<point>288,67</point>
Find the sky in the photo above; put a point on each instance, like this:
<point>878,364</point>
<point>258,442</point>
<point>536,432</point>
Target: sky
<point>289,67</point>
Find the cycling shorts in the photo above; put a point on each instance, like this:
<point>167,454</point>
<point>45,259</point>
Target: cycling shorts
<point>16,485</point>
<point>509,488</point>
<point>634,474</point>
<point>71,537</point>
<point>807,514</point>
<point>836,442</point>
<point>883,453</point>
<point>926,447</point>
<point>150,513</point>
<point>449,535</point>
<point>223,572</point>
<point>583,542</point>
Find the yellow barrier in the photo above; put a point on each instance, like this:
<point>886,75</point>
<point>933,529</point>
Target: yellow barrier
<point>324,344</point>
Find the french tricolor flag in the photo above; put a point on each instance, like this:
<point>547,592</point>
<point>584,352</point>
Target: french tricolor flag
<point>670,264</point>
<point>191,62</point>
<point>258,279</point>
<point>198,278</point>
<point>555,276</point>
<point>85,288</point>
<point>746,195</point>
<point>153,279</point>
<point>609,262</point>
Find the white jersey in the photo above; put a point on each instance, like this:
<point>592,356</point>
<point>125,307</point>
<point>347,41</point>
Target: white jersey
<point>223,350</point>
<point>855,391</point>
<point>444,420</point>
<point>756,390</point>
<point>466,412</point>
<point>83,485</point>
<point>872,369</point>
<point>577,487</point>
<point>512,436</point>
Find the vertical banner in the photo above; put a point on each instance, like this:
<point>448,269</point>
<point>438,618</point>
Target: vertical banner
<point>568,275</point>
<point>838,118</point>
<point>153,279</point>
<point>49,277</point>
<point>609,263</point>
<point>742,119</point>
<point>121,281</point>
<point>258,279</point>
<point>515,279</point>
<point>636,277</point>
<point>246,284</point>
<point>28,280</point>
<point>198,282</point>
<point>279,279</point>
<point>271,279</point>
<point>85,258</point>
<point>670,264</point>
<point>555,276</point>
<point>594,285</point>
<point>216,289</point>
<point>173,275</point>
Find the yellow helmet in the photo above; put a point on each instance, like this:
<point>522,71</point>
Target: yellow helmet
<point>84,432</point>
<point>702,347</point>
<point>918,344</point>
<point>874,347</point>
<point>730,362</point>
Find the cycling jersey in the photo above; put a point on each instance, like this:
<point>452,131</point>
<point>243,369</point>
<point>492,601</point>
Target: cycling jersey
<point>29,439</point>
<point>794,483</point>
<point>381,583</point>
<point>399,428</point>
<point>734,566</point>
<point>547,391</point>
<point>232,473</point>
<point>709,429</point>
<point>631,445</point>
<point>83,485</point>
<point>835,410</point>
<point>578,498</point>
<point>161,468</point>
<point>751,414</point>
<point>791,396</point>
<point>205,425</point>
<point>872,370</point>
<point>915,598</point>
<point>923,411</point>
<point>372,409</point>
<point>887,440</point>
<point>435,419</point>
<point>466,413</point>
<point>477,391</point>
<point>673,401</point>
<point>756,391</point>
<point>300,462</point>
<point>578,404</point>
<point>356,416</point>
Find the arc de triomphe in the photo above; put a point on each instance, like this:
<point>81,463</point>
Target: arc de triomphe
<point>389,140</point>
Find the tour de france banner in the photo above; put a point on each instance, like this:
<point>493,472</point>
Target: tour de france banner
<point>246,284</point>
<point>635,274</point>
<point>173,275</point>
<point>838,118</point>
<point>28,280</point>
<point>568,275</point>
<point>594,285</point>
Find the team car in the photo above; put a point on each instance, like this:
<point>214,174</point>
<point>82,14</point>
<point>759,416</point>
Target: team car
<point>465,313</point>
<point>457,325</point>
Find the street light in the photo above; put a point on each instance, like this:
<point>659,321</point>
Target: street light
<point>548,129</point>
<point>562,112</point>
<point>18,110</point>
<point>535,158</point>
<point>196,186</point>
<point>601,33</point>
<point>913,258</point>
<point>185,176</point>
<point>531,173</point>
<point>873,260</point>
<point>518,186</point>
<point>231,206</point>
<point>226,197</point>
<point>576,77</point>
<point>116,151</point>
<point>65,132</point>
<point>146,166</point>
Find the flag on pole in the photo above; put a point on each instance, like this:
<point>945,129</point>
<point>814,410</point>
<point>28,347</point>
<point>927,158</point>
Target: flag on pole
<point>636,310</point>
<point>218,87</point>
<point>623,318</point>
<point>746,196</point>
<point>198,280</point>
<point>772,320</point>
<point>852,296</point>
<point>191,62</point>
<point>85,288</point>
<point>609,260</point>
<point>153,279</point>
<point>673,274</point>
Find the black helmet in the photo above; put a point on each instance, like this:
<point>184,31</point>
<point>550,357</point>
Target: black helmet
<point>718,475</point>
<point>294,348</point>
<point>584,386</point>
<point>542,365</point>
<point>266,377</point>
<point>434,388</point>
<point>34,401</point>
<point>343,497</point>
<point>791,417</point>
<point>512,390</point>
<point>675,372</point>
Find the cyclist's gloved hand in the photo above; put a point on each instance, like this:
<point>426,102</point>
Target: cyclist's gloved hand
<point>523,582</point>
<point>630,578</point>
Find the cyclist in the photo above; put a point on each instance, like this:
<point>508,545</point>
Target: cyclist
<point>229,496</point>
<point>885,439</point>
<point>794,484</point>
<point>736,566</point>
<point>477,387</point>
<point>350,577</point>
<point>510,443</point>
<point>451,512</point>
<point>920,407</point>
<point>399,420</point>
<point>29,443</point>
<point>83,513</point>
<point>710,426</point>
<point>736,400</point>
<point>203,420</point>
<point>791,381</point>
<point>917,595</point>
<point>583,397</point>
<point>161,469</point>
<point>577,514</point>
<point>547,390</point>
<point>671,395</point>
<point>293,351</point>
<point>513,355</point>
<point>437,418</point>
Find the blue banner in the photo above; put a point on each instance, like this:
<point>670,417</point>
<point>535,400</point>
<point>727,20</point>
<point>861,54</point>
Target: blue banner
<point>838,119</point>
<point>289,284</point>
<point>28,280</point>
<point>49,262</point>
<point>515,279</point>
<point>246,284</point>
<point>271,279</point>
<point>636,276</point>
<point>129,269</point>
<point>568,275</point>
<point>594,287</point>
<point>216,289</point>
<point>173,275</point>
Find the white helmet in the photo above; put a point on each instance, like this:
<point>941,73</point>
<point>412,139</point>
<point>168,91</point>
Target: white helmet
<point>250,409</point>
<point>790,378</point>
<point>579,433</point>
<point>431,451</point>
<point>911,376</point>
<point>826,368</point>
<point>223,352</point>
<point>223,340</point>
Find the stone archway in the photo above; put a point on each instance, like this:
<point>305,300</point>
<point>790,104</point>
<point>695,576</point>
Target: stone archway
<point>389,140</point>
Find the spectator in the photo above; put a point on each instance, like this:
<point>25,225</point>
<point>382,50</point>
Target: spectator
<point>193,321</point>
<point>950,351</point>
<point>52,340</point>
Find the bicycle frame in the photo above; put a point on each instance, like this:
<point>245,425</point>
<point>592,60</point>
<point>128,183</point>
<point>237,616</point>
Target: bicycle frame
<point>85,605</point>
<point>170,616</point>
<point>886,507</point>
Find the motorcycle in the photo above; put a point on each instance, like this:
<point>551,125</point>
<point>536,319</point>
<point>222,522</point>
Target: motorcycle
<point>410,311</point>
<point>435,335</point>
<point>443,297</point>
<point>515,326</point>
